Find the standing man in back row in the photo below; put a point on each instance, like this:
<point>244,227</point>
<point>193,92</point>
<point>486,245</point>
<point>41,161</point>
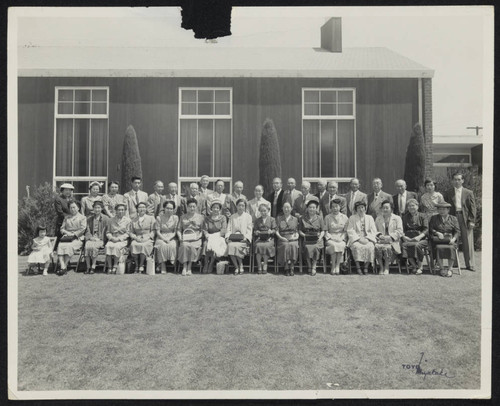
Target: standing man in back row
<point>134,197</point>
<point>463,206</point>
<point>277,198</point>
<point>399,200</point>
<point>291,193</point>
<point>376,198</point>
<point>353,196</point>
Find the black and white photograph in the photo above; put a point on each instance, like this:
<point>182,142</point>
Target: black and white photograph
<point>250,202</point>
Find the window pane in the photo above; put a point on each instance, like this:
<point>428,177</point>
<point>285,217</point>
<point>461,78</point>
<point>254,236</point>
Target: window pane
<point>65,95</point>
<point>99,95</point>
<point>188,95</point>
<point>188,148</point>
<point>82,95</point>
<point>222,109</point>
<point>81,148</point>
<point>311,96</point>
<point>328,150</point>
<point>222,96</point>
<point>82,108</point>
<point>311,109</point>
<point>65,108</point>
<point>205,95</point>
<point>345,96</point>
<point>345,154</point>
<point>345,110</point>
<point>188,108</point>
<point>328,109</point>
<point>222,148</point>
<point>205,108</point>
<point>99,108</point>
<point>205,145</point>
<point>99,147</point>
<point>328,96</point>
<point>64,146</point>
<point>310,148</point>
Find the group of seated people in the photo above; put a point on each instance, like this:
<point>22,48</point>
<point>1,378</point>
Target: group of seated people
<point>213,225</point>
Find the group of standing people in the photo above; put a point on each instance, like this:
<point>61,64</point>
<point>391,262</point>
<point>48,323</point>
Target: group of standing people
<point>213,224</point>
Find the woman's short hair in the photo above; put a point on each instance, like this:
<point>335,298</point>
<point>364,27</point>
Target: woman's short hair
<point>414,201</point>
<point>335,201</point>
<point>75,202</point>
<point>359,203</point>
<point>312,201</point>
<point>94,183</point>
<point>241,200</point>
<point>120,205</point>
<point>427,181</point>
<point>111,182</point>
<point>140,204</point>
<point>98,203</point>
<point>216,203</point>
<point>39,228</point>
<point>167,202</point>
<point>263,205</point>
<point>391,204</point>
<point>191,200</point>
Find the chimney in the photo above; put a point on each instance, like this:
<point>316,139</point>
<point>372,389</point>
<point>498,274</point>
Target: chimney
<point>331,35</point>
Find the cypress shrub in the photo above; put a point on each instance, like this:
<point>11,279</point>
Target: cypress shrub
<point>269,157</point>
<point>131,159</point>
<point>415,160</point>
<point>34,210</point>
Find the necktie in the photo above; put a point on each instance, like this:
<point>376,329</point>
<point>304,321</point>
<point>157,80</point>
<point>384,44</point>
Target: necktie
<point>352,202</point>
<point>401,205</point>
<point>136,198</point>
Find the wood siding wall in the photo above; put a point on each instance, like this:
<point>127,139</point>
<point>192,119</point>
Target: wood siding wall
<point>386,110</point>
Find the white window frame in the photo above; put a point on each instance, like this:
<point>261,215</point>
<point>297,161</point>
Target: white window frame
<point>329,117</point>
<point>71,179</point>
<point>182,179</point>
<point>452,164</point>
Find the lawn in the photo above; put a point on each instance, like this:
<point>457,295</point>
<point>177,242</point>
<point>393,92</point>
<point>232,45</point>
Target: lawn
<point>168,332</point>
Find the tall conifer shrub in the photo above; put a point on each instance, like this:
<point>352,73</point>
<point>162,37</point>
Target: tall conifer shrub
<point>131,159</point>
<point>269,157</point>
<point>415,160</point>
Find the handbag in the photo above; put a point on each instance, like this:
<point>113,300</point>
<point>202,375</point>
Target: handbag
<point>150,266</point>
<point>412,233</point>
<point>311,239</point>
<point>263,237</point>
<point>189,235</point>
<point>445,240</point>
<point>67,238</point>
<point>236,237</point>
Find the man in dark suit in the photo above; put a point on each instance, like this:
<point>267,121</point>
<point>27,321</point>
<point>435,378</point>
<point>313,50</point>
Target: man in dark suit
<point>276,198</point>
<point>299,205</point>
<point>376,198</point>
<point>355,195</point>
<point>321,190</point>
<point>399,200</point>
<point>463,206</point>
<point>324,203</point>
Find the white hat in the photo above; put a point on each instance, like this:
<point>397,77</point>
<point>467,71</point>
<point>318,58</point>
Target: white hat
<point>66,186</point>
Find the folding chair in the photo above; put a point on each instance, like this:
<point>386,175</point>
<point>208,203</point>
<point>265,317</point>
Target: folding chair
<point>52,244</point>
<point>427,256</point>
<point>273,260</point>
<point>79,259</point>
<point>248,261</point>
<point>326,256</point>
<point>302,244</point>
<point>102,252</point>
<point>430,250</point>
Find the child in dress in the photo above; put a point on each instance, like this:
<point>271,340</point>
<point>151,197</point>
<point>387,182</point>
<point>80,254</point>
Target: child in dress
<point>41,250</point>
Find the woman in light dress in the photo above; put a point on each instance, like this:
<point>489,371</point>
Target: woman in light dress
<point>141,235</point>
<point>430,199</point>
<point>72,230</point>
<point>239,223</point>
<point>361,233</point>
<point>112,199</point>
<point>166,237</point>
<point>215,231</point>
<point>117,234</point>
<point>88,201</point>
<point>336,235</point>
<point>264,230</point>
<point>389,233</point>
<point>190,233</point>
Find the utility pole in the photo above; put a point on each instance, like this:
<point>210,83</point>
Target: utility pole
<point>477,128</point>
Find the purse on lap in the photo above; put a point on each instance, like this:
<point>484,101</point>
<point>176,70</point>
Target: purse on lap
<point>311,239</point>
<point>67,238</point>
<point>189,235</point>
<point>445,240</point>
<point>263,237</point>
<point>236,237</point>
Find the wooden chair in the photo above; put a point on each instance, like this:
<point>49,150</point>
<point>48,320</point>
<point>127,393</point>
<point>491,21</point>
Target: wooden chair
<point>273,260</point>
<point>321,255</point>
<point>53,240</point>
<point>430,250</point>
<point>248,261</point>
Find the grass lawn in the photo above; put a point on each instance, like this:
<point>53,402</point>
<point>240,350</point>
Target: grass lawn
<point>168,332</point>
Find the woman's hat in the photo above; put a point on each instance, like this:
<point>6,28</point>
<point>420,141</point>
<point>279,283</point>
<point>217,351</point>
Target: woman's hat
<point>444,204</point>
<point>66,186</point>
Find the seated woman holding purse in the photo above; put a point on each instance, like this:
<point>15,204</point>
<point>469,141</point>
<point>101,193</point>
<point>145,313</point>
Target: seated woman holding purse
<point>444,231</point>
<point>117,234</point>
<point>415,227</point>
<point>166,237</point>
<point>72,230</point>
<point>239,235</point>
<point>97,223</point>
<point>389,232</point>
<point>215,230</point>
<point>190,232</point>
<point>287,232</point>
<point>312,230</point>
<point>141,235</point>
<point>264,230</point>
<point>335,235</point>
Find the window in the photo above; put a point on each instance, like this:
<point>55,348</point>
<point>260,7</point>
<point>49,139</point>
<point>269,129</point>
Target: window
<point>328,134</point>
<point>81,137</point>
<point>205,134</point>
<point>452,159</point>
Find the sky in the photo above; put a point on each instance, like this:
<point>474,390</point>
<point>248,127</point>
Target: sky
<point>454,41</point>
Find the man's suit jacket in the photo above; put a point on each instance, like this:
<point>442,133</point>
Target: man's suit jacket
<point>291,196</point>
<point>299,206</point>
<point>468,204</point>
<point>318,195</point>
<point>395,201</point>
<point>154,204</point>
<point>230,204</point>
<point>278,209</point>
<point>373,208</point>
<point>131,201</point>
<point>359,197</point>
<point>324,204</point>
